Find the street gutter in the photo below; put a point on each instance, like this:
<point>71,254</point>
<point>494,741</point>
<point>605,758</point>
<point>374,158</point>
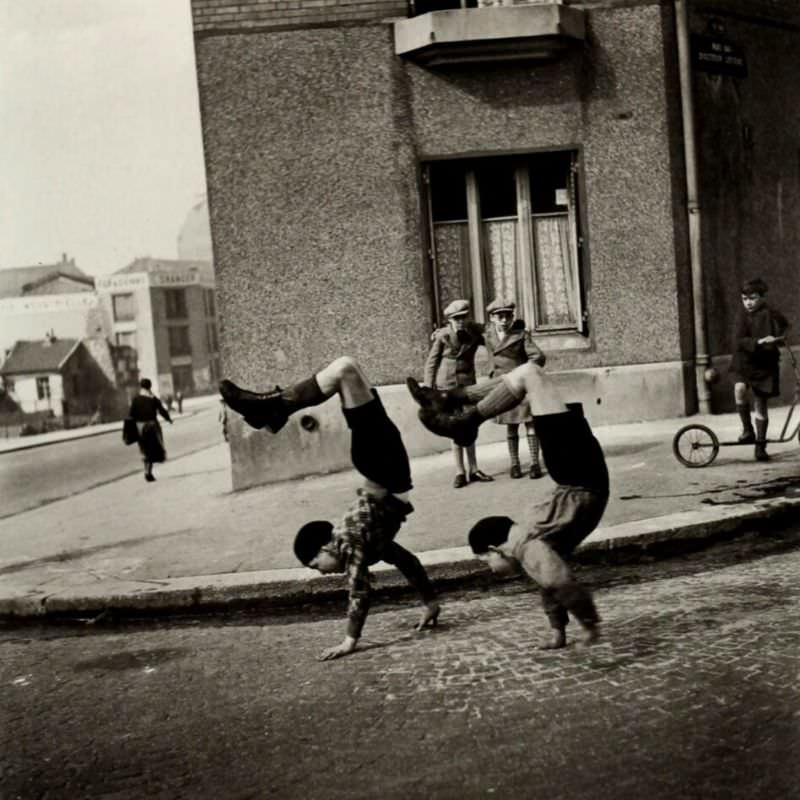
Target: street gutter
<point>285,588</point>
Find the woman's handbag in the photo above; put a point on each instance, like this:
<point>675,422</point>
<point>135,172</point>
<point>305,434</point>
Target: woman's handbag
<point>130,433</point>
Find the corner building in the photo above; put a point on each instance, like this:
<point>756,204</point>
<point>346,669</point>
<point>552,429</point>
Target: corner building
<point>369,160</point>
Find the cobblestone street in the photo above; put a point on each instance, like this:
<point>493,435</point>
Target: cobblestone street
<point>691,694</point>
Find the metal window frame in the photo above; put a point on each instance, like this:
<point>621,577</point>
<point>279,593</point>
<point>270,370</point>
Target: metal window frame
<point>475,275</point>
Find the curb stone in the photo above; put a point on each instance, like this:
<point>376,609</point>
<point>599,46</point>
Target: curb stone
<point>284,588</point>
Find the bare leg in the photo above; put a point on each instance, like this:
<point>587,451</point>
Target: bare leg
<point>526,381</point>
<point>558,617</point>
<point>345,377</point>
<point>472,461</point>
<point>740,395</point>
<point>458,458</point>
<point>413,571</point>
<point>553,575</point>
<point>533,383</point>
<point>270,410</point>
<point>476,475</point>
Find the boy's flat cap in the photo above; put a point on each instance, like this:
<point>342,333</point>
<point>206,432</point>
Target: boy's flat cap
<point>458,308</point>
<point>501,304</point>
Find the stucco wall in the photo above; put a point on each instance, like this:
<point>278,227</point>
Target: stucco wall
<point>314,202</point>
<point>26,395</point>
<point>313,142</point>
<point>610,100</point>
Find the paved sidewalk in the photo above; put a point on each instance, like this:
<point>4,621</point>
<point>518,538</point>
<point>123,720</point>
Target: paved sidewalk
<point>189,543</point>
<point>190,406</point>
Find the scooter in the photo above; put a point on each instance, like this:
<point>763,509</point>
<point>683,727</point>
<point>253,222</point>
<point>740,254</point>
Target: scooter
<point>697,445</point>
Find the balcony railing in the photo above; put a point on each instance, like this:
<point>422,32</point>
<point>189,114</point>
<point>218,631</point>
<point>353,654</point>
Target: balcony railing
<point>527,31</point>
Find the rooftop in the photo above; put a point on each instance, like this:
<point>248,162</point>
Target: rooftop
<point>168,265</point>
<point>44,355</point>
<point>18,281</point>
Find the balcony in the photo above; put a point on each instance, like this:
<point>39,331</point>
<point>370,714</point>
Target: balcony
<point>532,32</point>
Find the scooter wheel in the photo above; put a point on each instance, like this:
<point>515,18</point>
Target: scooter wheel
<point>695,446</point>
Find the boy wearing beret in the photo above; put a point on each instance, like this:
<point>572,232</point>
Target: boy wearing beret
<point>509,345</point>
<point>451,363</point>
<point>540,540</point>
<point>367,531</point>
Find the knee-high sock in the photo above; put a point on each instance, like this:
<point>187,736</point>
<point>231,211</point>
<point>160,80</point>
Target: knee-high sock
<point>744,415</point>
<point>477,391</point>
<point>533,446</point>
<point>302,394</point>
<point>500,399</point>
<point>512,440</point>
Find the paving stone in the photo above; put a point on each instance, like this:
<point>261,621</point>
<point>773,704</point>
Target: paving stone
<point>690,694</point>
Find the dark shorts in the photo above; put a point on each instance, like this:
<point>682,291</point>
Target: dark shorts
<point>566,518</point>
<point>376,448</point>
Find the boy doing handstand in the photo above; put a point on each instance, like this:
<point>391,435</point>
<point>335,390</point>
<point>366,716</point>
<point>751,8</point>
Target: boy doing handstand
<point>366,533</point>
<point>548,532</point>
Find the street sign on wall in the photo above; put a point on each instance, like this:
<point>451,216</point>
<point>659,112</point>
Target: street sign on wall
<point>718,55</point>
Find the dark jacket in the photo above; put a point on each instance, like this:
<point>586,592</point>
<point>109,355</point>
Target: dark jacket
<point>451,360</point>
<point>517,348</point>
<point>145,407</point>
<point>753,363</point>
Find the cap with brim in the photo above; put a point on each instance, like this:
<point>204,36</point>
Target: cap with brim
<point>501,304</point>
<point>458,308</point>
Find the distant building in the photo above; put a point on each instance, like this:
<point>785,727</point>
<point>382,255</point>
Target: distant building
<point>69,378</point>
<point>165,310</point>
<point>44,297</point>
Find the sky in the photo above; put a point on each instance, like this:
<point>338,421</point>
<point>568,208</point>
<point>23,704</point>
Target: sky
<point>100,146</point>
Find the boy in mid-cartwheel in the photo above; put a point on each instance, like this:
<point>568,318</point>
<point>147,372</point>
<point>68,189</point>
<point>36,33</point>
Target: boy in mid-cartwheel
<point>367,531</point>
<point>540,540</point>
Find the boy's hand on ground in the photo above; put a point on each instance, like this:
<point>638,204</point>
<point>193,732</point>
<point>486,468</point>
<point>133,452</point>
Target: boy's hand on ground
<point>347,646</point>
<point>768,340</point>
<point>430,615</point>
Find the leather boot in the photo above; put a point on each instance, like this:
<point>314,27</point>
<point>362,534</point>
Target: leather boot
<point>748,435</point>
<point>460,426</point>
<point>271,409</point>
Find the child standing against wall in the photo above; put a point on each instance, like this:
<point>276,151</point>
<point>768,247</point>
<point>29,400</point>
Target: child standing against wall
<point>755,364</point>
<point>451,363</point>
<point>509,346</point>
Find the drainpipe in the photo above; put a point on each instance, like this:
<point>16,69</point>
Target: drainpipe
<point>701,358</point>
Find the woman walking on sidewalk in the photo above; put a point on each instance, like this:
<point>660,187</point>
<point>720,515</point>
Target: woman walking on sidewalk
<point>144,411</point>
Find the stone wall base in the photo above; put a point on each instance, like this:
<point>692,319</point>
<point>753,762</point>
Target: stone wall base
<point>609,394</point>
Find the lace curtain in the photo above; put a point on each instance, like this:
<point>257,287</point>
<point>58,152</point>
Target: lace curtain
<point>556,291</point>
<point>501,257</point>
<point>451,240</point>
<point>555,281</point>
